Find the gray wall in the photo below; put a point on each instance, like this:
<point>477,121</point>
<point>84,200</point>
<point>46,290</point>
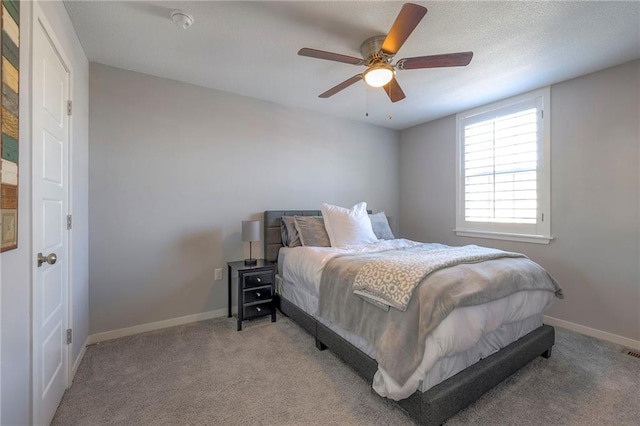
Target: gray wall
<point>594,197</point>
<point>16,265</point>
<point>175,168</point>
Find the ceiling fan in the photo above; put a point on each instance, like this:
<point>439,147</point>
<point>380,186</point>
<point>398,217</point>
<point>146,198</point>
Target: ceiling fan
<point>378,52</point>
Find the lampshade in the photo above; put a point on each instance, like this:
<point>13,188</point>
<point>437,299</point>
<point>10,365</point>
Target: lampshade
<point>378,75</point>
<point>250,230</point>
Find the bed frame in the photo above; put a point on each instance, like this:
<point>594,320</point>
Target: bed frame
<point>440,402</point>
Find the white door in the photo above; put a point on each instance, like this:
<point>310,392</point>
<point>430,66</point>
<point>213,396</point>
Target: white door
<point>50,156</point>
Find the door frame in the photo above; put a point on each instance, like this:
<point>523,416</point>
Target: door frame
<point>39,18</point>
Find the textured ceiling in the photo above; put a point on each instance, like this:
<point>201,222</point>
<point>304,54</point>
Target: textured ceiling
<point>250,48</point>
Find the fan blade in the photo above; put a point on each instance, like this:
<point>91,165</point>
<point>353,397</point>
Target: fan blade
<point>394,91</point>
<point>321,54</point>
<point>341,86</point>
<point>408,19</point>
<point>447,60</point>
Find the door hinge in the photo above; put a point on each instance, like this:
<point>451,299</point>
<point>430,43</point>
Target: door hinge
<point>69,336</point>
<point>69,107</point>
<point>542,218</point>
<point>68,221</point>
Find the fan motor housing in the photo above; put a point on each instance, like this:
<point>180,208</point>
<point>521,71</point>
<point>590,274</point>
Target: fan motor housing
<point>370,50</point>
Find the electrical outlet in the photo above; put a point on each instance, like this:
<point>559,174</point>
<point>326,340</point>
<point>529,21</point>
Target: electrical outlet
<point>218,274</point>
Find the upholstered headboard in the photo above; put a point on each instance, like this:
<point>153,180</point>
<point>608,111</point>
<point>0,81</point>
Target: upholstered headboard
<point>272,235</point>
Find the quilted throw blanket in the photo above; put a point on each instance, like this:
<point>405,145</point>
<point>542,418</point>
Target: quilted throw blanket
<point>399,336</point>
<point>391,281</point>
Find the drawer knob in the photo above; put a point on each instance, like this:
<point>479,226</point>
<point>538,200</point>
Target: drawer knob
<point>258,279</point>
<point>258,309</point>
<point>258,293</point>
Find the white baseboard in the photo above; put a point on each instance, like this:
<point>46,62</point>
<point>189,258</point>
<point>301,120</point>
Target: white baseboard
<point>158,325</point>
<point>78,360</point>
<point>588,331</point>
<point>143,328</point>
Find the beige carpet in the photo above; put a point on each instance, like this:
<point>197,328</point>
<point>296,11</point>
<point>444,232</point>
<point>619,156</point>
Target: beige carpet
<point>206,373</point>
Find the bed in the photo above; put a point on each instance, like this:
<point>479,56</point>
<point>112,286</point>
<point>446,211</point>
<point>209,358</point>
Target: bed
<point>435,399</point>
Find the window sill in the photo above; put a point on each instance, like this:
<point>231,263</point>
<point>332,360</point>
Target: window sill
<point>524,238</point>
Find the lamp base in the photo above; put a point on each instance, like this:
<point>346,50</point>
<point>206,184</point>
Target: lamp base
<point>250,262</point>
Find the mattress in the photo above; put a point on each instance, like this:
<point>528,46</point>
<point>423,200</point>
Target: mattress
<point>467,335</point>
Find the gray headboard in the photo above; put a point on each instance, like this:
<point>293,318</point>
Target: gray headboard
<point>272,235</point>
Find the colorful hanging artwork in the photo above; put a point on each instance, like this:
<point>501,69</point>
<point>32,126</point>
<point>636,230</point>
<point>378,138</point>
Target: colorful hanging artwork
<point>9,146</point>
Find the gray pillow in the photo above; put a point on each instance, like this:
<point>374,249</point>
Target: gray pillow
<point>312,231</point>
<point>290,237</point>
<point>380,226</point>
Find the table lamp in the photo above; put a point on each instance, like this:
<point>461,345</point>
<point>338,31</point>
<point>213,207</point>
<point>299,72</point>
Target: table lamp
<point>250,233</point>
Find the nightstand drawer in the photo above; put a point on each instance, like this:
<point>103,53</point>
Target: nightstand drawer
<point>257,310</point>
<point>258,294</point>
<point>256,289</point>
<point>257,279</point>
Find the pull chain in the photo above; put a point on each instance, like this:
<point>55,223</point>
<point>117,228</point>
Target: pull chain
<point>366,101</point>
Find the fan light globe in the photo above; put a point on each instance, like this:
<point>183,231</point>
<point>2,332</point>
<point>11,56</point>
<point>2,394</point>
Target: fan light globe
<point>378,75</point>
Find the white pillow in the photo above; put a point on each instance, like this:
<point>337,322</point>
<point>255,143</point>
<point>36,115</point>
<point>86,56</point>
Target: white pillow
<point>347,227</point>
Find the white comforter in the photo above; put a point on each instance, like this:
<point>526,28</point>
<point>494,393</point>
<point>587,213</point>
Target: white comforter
<point>458,334</point>
<point>304,265</point>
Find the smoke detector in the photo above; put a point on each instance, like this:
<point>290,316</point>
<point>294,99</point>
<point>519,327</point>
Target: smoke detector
<point>181,19</point>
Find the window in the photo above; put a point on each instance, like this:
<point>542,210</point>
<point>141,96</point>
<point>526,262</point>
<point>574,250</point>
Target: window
<point>503,179</point>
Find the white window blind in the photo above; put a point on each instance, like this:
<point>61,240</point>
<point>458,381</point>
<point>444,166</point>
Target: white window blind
<point>503,177</point>
<point>500,169</point>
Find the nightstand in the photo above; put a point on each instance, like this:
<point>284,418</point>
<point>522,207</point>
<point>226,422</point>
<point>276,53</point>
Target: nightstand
<point>256,289</point>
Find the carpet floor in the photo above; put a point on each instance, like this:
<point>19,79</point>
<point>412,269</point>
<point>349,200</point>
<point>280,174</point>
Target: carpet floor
<point>206,373</point>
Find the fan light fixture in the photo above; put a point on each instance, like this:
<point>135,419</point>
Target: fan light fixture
<point>378,75</point>
<point>378,51</point>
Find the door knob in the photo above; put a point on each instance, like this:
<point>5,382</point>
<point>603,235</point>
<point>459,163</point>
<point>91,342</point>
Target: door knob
<point>51,258</point>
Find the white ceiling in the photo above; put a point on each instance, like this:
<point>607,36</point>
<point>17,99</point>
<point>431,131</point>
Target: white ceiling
<point>250,48</point>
